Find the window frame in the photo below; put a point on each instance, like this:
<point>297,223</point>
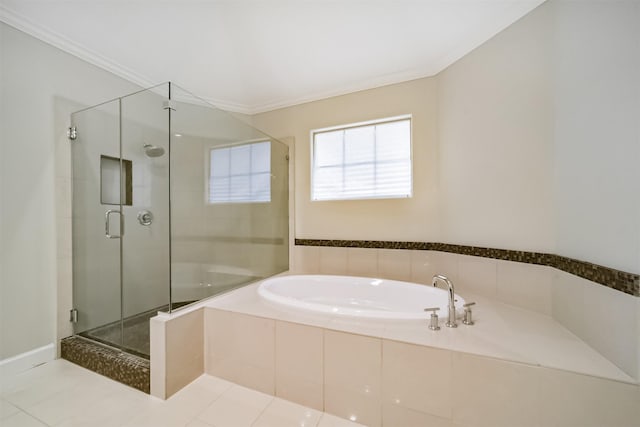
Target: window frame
<point>374,122</point>
<point>208,148</point>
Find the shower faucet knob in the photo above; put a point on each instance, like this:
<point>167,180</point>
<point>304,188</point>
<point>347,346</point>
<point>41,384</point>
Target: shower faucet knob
<point>145,217</point>
<point>433,323</point>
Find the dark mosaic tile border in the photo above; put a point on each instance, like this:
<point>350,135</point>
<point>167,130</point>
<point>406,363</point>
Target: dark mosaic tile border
<point>623,281</point>
<point>110,362</point>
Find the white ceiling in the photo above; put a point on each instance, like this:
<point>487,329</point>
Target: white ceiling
<point>252,56</point>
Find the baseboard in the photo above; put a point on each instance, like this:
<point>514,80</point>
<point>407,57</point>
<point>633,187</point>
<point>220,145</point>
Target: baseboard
<point>20,363</point>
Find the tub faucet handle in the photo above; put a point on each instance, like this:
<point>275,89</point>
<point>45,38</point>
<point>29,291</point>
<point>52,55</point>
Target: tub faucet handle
<point>468,320</point>
<point>433,323</point>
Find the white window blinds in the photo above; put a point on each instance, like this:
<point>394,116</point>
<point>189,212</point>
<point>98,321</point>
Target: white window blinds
<point>371,160</point>
<point>240,174</point>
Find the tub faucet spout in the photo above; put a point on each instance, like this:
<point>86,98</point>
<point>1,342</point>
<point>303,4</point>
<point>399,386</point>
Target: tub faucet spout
<point>451,322</point>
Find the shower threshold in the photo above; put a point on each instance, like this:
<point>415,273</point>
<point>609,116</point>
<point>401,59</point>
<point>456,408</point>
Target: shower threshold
<point>106,360</point>
<point>132,334</point>
<point>100,349</point>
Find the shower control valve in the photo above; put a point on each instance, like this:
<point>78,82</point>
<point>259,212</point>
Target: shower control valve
<point>145,217</point>
<point>468,320</point>
<point>433,323</point>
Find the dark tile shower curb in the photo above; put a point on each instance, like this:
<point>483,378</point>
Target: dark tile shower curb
<point>622,281</point>
<point>112,363</point>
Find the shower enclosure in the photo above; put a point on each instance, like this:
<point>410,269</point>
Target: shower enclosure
<point>174,201</point>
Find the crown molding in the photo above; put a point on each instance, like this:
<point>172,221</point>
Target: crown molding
<point>61,42</point>
<point>387,80</point>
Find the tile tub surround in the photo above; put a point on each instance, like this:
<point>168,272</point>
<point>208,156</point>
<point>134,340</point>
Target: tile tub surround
<point>400,373</point>
<point>601,316</point>
<point>620,280</point>
<point>110,362</point>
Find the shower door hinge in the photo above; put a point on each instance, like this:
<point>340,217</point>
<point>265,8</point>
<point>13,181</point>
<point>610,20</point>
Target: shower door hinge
<point>73,315</point>
<point>72,133</point>
<point>168,105</point>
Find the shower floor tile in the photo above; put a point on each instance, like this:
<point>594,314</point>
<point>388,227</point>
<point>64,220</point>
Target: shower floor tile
<point>107,403</point>
<point>133,335</point>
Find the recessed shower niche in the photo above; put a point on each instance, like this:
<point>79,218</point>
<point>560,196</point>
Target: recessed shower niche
<point>147,155</point>
<point>112,176</point>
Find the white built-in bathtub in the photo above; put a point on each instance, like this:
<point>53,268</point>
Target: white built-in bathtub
<point>358,296</point>
<point>252,341</point>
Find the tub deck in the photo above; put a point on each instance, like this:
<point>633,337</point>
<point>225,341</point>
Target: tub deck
<point>501,331</point>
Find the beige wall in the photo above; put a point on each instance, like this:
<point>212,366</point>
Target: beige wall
<point>40,86</point>
<point>529,142</point>
<point>539,136</point>
<point>597,131</point>
<point>495,123</point>
<point>395,219</point>
<point>482,150</point>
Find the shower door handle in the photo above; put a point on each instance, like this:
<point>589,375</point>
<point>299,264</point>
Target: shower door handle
<point>107,233</point>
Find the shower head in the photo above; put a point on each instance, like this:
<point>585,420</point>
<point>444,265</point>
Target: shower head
<point>152,150</point>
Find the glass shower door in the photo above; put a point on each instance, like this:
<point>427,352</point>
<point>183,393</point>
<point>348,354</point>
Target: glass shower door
<point>121,266</point>
<point>145,244</point>
<point>97,207</point>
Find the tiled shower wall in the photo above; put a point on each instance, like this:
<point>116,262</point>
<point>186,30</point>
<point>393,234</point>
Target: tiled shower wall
<point>606,319</point>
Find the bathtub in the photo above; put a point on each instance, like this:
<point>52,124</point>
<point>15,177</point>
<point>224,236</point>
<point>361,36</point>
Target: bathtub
<point>357,296</point>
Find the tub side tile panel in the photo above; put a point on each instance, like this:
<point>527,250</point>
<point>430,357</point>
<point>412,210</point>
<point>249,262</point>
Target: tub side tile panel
<point>241,349</point>
<point>255,339</point>
<point>352,405</point>
<point>218,342</point>
<point>254,347</point>
<point>417,378</point>
<point>299,364</point>
<point>352,376</point>
<point>568,399</point>
<point>485,391</point>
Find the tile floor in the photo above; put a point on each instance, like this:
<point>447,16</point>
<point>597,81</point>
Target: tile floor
<point>62,394</point>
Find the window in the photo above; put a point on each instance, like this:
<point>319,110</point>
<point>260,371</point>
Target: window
<point>240,174</point>
<point>362,161</point>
